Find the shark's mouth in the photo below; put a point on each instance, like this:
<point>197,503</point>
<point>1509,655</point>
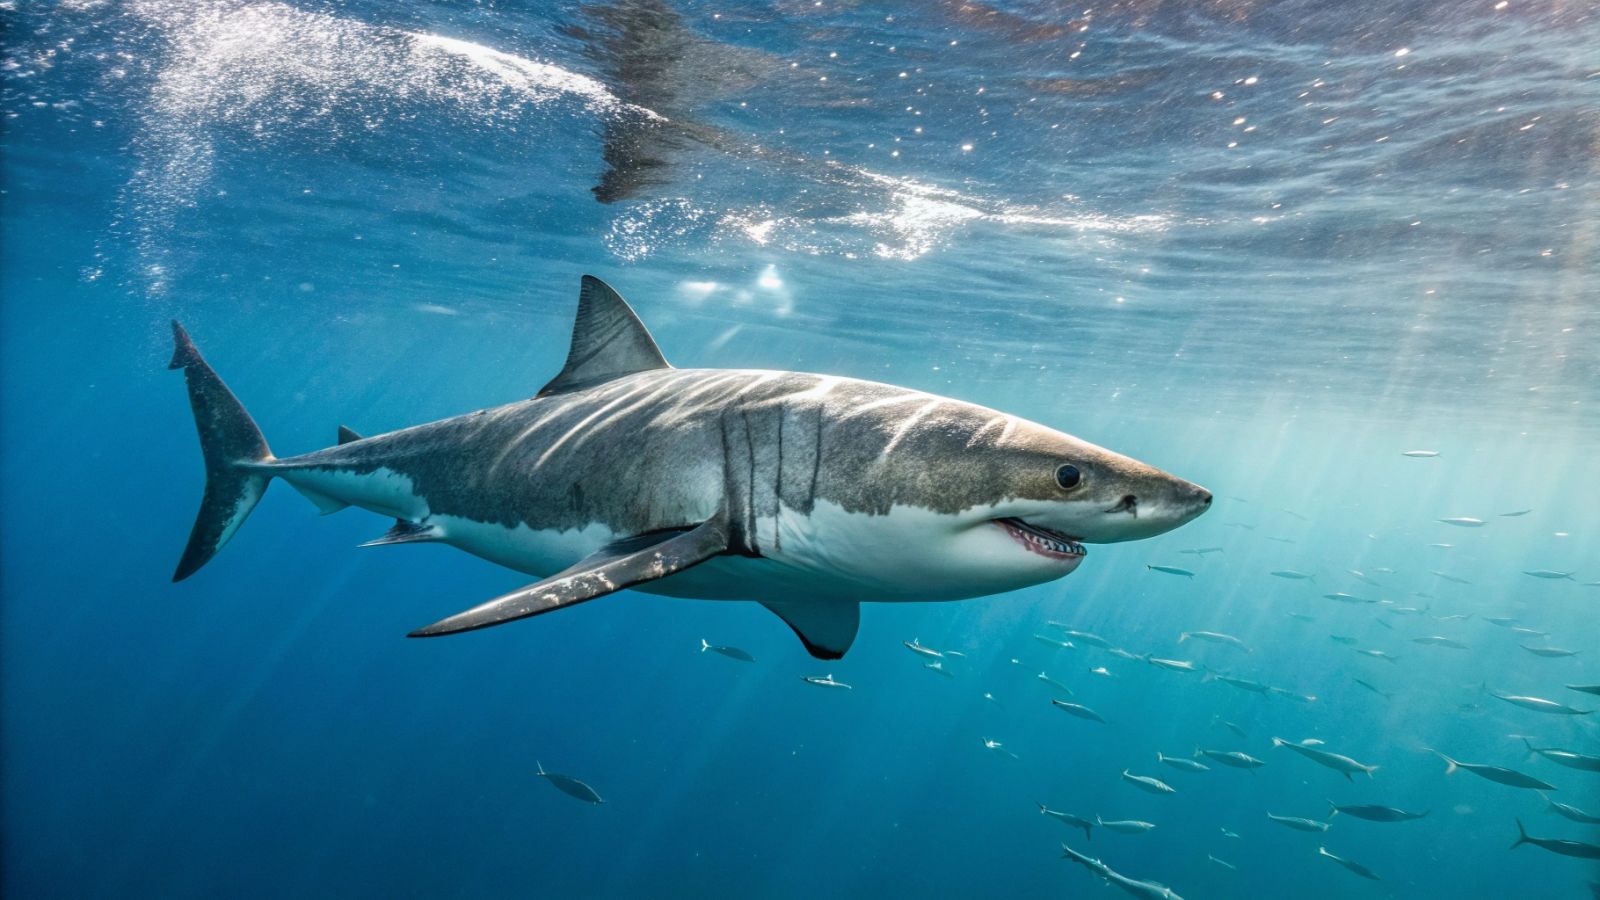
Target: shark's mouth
<point>1043,541</point>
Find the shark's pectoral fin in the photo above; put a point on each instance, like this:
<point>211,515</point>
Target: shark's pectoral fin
<point>405,532</point>
<point>826,628</point>
<point>619,565</point>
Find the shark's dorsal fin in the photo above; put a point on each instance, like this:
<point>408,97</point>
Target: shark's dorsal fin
<point>826,628</point>
<point>608,341</point>
<point>347,435</point>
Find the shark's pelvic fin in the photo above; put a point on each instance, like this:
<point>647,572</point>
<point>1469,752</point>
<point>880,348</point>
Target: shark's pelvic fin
<point>826,628</point>
<point>347,435</point>
<point>325,504</point>
<point>405,532</point>
<point>616,566</point>
<point>608,341</point>
<point>232,446</point>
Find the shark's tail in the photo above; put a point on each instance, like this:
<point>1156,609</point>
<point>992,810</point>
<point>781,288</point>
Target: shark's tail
<point>232,446</point>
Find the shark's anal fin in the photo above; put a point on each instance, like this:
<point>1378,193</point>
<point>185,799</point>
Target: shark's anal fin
<point>608,341</point>
<point>405,532</point>
<point>619,565</point>
<point>347,435</point>
<point>826,628</point>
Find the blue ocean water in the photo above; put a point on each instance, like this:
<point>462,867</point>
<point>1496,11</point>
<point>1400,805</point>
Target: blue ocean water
<point>1269,247</point>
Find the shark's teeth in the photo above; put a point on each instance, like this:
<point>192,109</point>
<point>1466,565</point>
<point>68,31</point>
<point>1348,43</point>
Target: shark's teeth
<point>1041,541</point>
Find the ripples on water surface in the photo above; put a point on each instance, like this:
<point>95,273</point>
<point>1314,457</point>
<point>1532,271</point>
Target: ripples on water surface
<point>1265,245</point>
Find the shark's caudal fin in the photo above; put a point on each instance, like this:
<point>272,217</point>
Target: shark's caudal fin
<point>231,444</point>
<point>608,341</point>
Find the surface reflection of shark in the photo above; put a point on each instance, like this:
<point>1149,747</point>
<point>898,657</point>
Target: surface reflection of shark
<point>656,64</point>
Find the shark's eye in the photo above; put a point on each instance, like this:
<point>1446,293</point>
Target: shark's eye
<point>1068,477</point>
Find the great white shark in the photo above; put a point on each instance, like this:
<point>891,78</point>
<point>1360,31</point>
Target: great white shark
<point>806,493</point>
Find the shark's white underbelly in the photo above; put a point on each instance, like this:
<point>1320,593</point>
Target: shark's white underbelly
<point>829,553</point>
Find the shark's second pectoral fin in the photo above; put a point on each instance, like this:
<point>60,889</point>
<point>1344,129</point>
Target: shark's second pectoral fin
<point>827,628</point>
<point>405,532</point>
<point>619,565</point>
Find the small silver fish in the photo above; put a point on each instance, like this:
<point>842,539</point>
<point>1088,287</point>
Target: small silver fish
<point>1217,720</point>
<point>1463,522</point>
<point>1234,758</point>
<point>998,747</point>
<point>824,681</point>
<point>1079,710</point>
<point>1550,574</point>
<point>1298,823</point>
<point>1538,704</point>
<point>1124,826</point>
<point>568,785</point>
<point>1376,690</point>
<point>1055,684</point>
<point>1375,813</point>
<point>1292,575</point>
<point>1344,765</point>
<point>1576,849</point>
<point>1497,774</point>
<point>1353,866</point>
<point>1186,765</point>
<point>1148,784</point>
<point>1214,637</point>
<point>1243,684</point>
<point>1571,812</point>
<point>1171,570</point>
<point>1420,454</point>
<point>1568,758</point>
<point>729,652</point>
<point>1549,652</point>
<point>1068,819</point>
<point>1081,637</point>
